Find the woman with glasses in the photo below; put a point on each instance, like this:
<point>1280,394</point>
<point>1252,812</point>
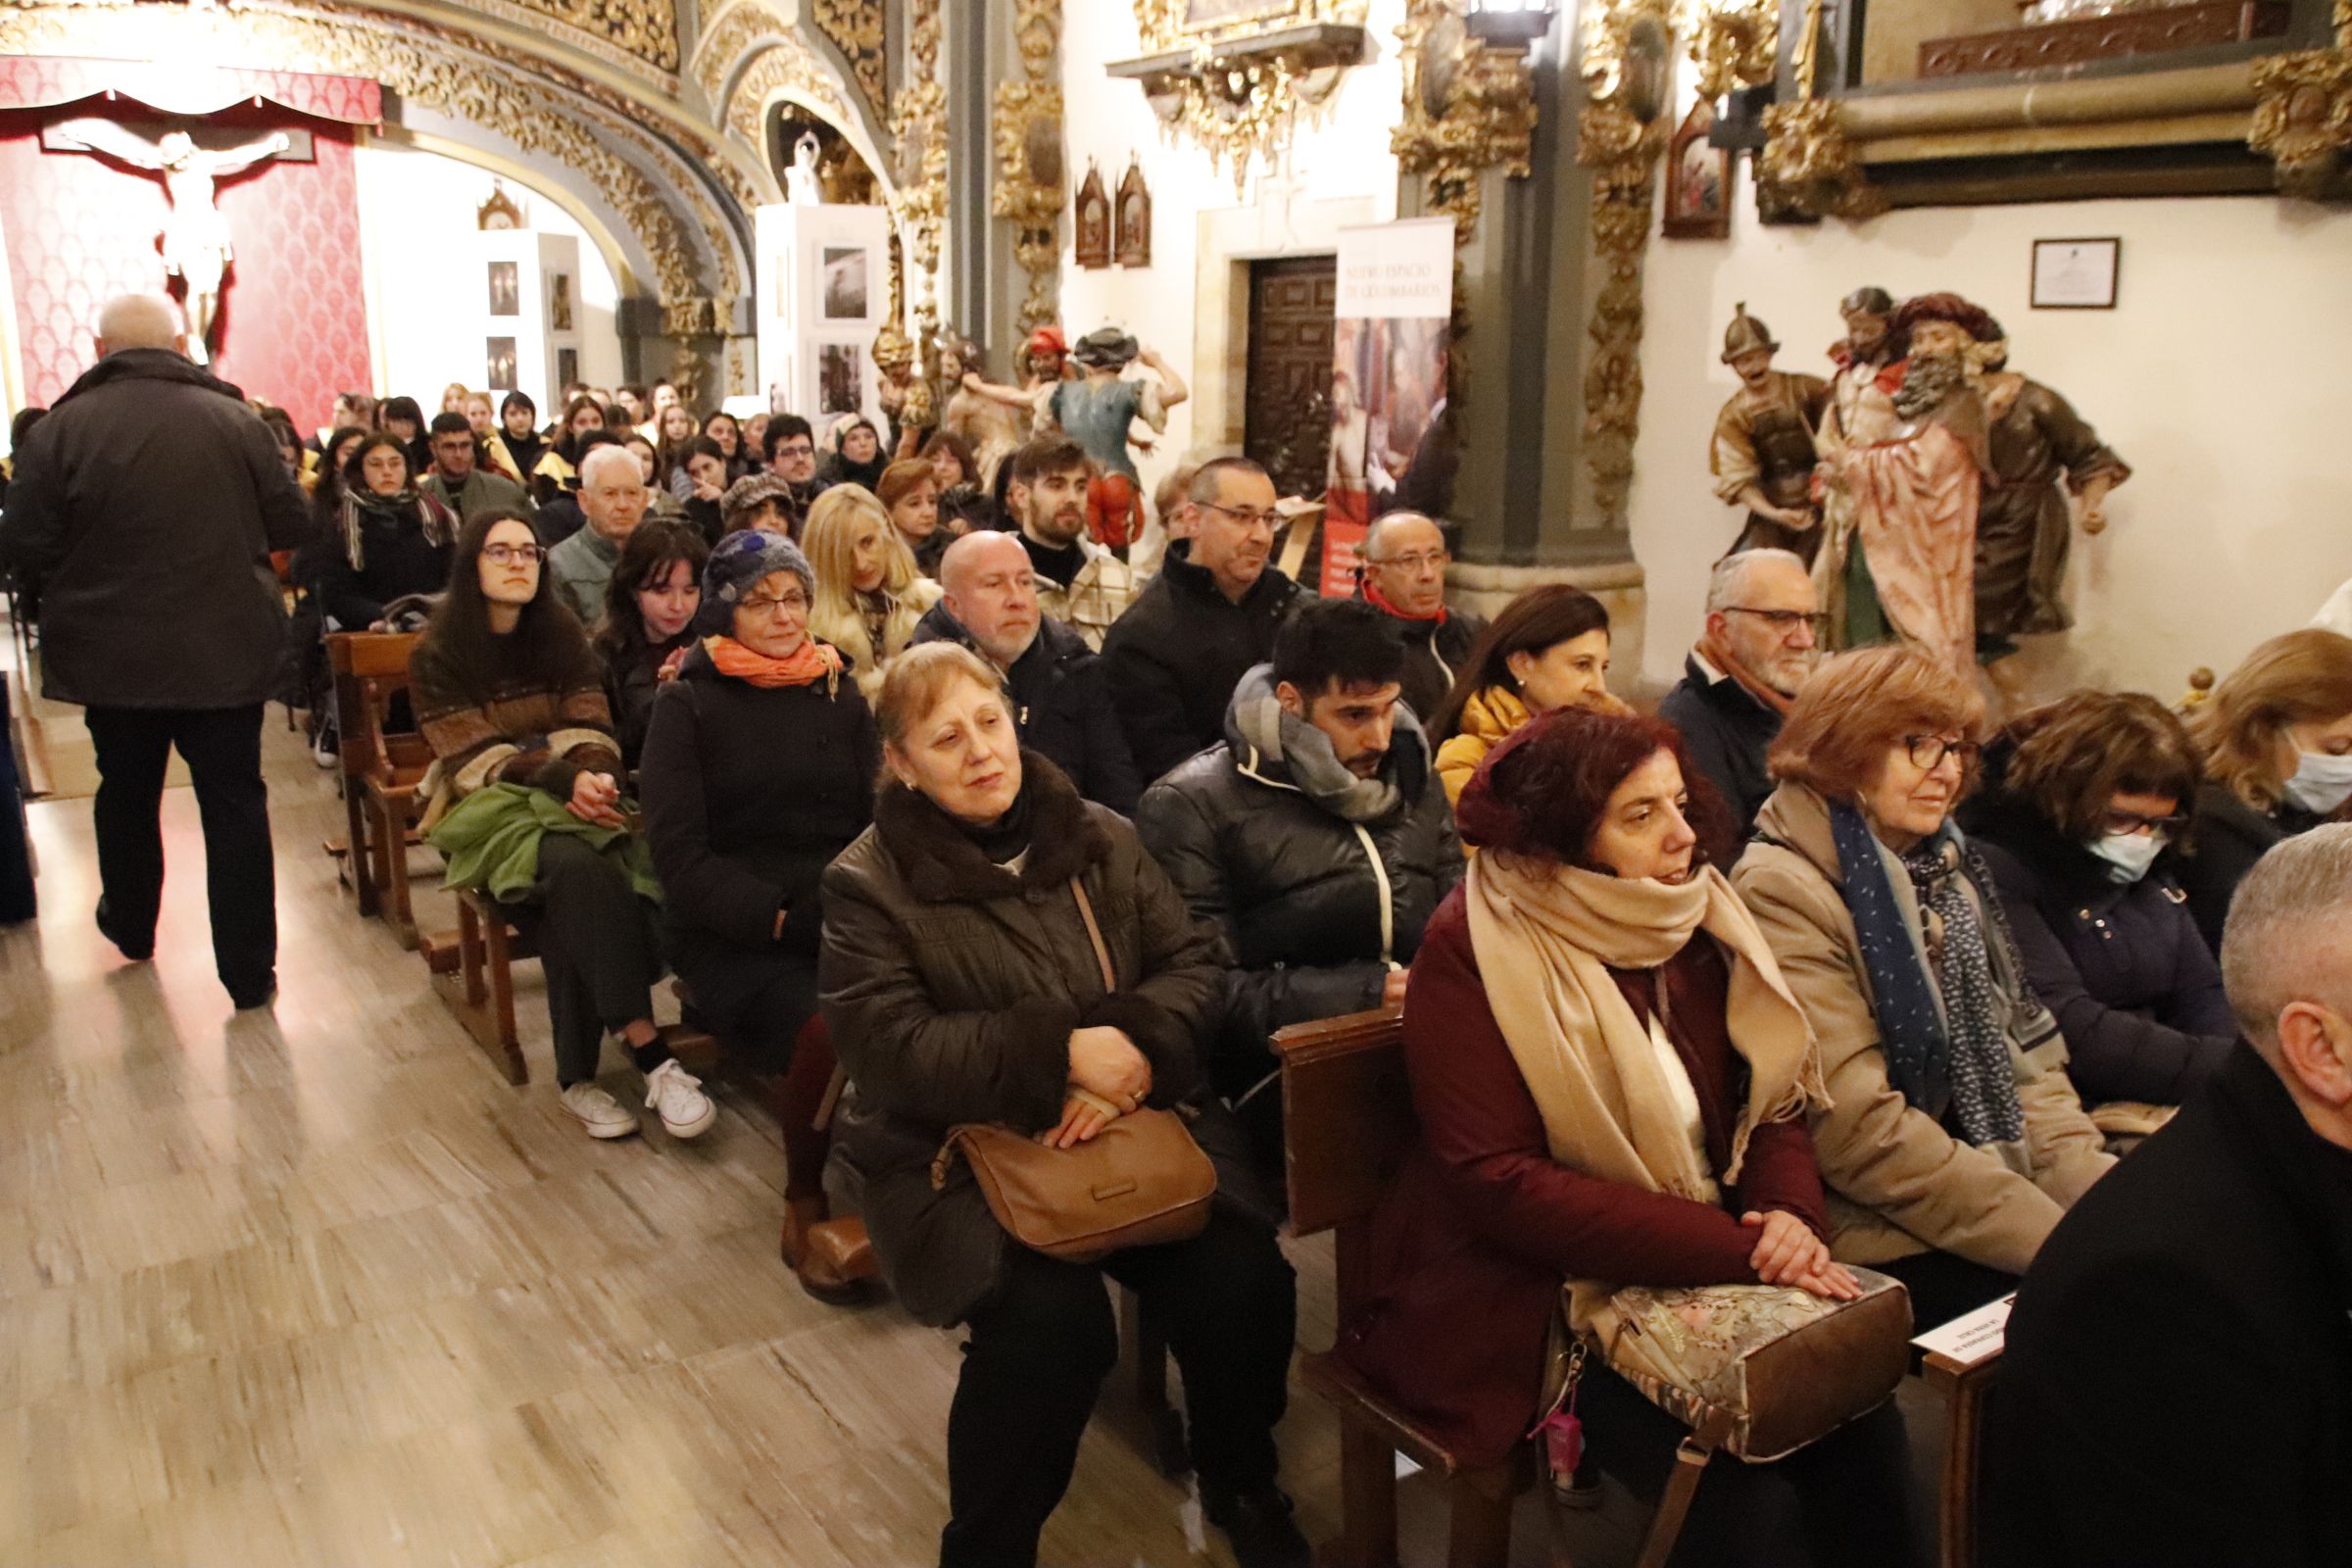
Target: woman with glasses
<point>1548,648</point>
<point>2093,800</point>
<point>1953,1141</point>
<point>525,799</point>
<point>759,768</point>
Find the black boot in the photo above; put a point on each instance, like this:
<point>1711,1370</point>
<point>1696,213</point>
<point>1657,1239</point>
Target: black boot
<point>1258,1526</point>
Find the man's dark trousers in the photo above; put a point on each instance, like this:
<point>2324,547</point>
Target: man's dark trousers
<point>222,747</point>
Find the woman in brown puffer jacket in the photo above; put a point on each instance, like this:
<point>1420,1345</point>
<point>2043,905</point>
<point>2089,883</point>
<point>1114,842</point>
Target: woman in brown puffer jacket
<point>960,984</point>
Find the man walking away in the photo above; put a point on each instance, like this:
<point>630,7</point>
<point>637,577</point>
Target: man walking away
<point>142,516</point>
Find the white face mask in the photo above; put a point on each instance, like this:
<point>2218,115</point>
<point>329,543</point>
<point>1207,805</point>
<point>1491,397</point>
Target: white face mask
<point>2321,783</point>
<point>2128,854</point>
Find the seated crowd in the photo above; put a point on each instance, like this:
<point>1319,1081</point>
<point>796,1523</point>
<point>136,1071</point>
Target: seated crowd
<point>1815,972</point>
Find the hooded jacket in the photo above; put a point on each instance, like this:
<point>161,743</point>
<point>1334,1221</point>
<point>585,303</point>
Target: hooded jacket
<point>1317,908</point>
<point>1899,1182</point>
<point>1177,653</point>
<point>142,519</point>
<point>1060,706</point>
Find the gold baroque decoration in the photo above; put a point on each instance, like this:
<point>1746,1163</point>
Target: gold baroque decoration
<point>1483,114</point>
<point>855,27</point>
<point>1809,167</point>
<point>2303,117</point>
<point>1734,43</point>
<point>1030,185</point>
<point>739,30</point>
<point>1620,136</point>
<point>918,130</point>
<point>635,35</point>
<point>1163,25</point>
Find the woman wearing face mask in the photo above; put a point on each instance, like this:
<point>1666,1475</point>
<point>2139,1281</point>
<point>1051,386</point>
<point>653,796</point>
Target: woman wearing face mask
<point>869,596</point>
<point>2091,799</point>
<point>1953,1141</point>
<point>1548,648</point>
<point>648,624</point>
<point>510,698</point>
<point>2277,739</point>
<point>390,539</point>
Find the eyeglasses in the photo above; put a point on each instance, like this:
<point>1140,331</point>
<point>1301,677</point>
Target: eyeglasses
<point>1783,621</point>
<point>1248,518</point>
<point>508,555</point>
<point>2135,822</point>
<point>1928,752</point>
<point>796,448</point>
<point>1417,562</point>
<point>763,605</point>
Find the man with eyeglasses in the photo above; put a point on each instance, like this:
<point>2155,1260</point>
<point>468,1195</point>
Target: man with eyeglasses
<point>790,446</point>
<point>1403,575</point>
<point>1759,647</point>
<point>458,481</point>
<point>1211,614</point>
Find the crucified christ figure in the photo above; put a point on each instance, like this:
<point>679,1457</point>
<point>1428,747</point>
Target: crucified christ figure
<point>196,243</point>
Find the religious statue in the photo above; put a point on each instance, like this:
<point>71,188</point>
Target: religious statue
<point>975,409</point>
<point>906,397</point>
<point>1904,482</point>
<point>1763,454</point>
<point>801,185</point>
<point>196,241</point>
<point>1097,411</point>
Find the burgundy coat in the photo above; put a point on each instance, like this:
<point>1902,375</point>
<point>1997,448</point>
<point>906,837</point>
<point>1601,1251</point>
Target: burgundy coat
<point>1472,1244</point>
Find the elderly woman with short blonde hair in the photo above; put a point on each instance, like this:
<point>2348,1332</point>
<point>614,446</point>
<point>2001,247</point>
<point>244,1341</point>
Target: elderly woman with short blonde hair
<point>1953,1141</point>
<point>961,982</point>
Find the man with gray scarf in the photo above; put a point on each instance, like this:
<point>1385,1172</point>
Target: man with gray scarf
<point>1317,838</point>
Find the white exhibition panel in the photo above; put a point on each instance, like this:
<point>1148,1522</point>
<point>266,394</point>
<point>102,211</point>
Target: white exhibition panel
<point>823,293</point>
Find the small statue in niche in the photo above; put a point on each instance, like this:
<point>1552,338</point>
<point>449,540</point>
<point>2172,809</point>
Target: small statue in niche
<point>800,184</point>
<point>906,399</point>
<point>1763,456</point>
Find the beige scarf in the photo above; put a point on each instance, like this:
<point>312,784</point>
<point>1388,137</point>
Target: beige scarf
<point>1545,936</point>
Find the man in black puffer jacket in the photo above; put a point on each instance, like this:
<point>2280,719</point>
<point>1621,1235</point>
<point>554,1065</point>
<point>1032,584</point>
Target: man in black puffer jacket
<point>142,516</point>
<point>1318,839</point>
<point>1055,681</point>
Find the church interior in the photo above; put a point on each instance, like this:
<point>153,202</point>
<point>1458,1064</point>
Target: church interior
<point>337,1282</point>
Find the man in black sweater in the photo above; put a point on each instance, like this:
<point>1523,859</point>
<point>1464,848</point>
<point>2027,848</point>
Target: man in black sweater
<point>1211,614</point>
<point>1738,684</point>
<point>2176,1387</point>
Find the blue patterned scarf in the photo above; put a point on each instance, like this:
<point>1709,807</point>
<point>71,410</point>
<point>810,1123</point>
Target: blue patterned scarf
<point>1942,1035</point>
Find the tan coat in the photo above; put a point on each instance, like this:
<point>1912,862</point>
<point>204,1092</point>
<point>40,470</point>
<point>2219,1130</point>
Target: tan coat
<point>1900,1184</point>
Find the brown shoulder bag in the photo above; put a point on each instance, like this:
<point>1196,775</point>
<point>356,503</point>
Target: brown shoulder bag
<point>1140,1182</point>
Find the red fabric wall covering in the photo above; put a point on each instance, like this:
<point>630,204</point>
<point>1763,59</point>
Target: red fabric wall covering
<point>80,230</point>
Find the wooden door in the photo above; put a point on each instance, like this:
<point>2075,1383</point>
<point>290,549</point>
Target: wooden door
<point>1292,300</point>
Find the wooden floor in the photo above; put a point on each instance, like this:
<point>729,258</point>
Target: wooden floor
<point>314,1286</point>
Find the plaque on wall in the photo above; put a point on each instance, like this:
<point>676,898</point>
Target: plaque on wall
<point>1699,179</point>
<point>1094,220</point>
<point>500,354</point>
<point>2076,274</point>
<point>1135,216</point>
<point>505,290</point>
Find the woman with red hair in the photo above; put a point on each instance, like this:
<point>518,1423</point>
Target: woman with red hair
<point>1611,1080</point>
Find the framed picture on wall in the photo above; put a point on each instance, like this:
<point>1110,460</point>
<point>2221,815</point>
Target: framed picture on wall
<point>505,290</point>
<point>2076,274</point>
<point>1093,246</point>
<point>1699,179</point>
<point>840,378</point>
<point>567,367</point>
<point>842,273</point>
<point>499,353</point>
<point>1135,217</point>
<point>558,303</point>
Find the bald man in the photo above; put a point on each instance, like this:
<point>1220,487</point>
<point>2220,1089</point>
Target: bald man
<point>140,522</point>
<point>1402,574</point>
<point>990,605</point>
<point>612,498</point>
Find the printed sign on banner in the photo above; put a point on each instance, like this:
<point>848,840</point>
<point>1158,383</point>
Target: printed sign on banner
<point>1392,446</point>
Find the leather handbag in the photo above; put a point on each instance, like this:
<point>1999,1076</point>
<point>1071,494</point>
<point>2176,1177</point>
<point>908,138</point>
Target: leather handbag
<point>1140,1182</point>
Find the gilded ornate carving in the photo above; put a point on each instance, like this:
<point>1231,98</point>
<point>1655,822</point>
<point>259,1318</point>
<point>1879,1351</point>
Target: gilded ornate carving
<point>1468,108</point>
<point>1809,167</point>
<point>786,68</point>
<point>855,27</point>
<point>1733,43</point>
<point>2303,118</point>
<point>1030,183</point>
<point>918,130</point>
<point>635,35</point>
<point>1620,136</point>
<point>1162,24</point>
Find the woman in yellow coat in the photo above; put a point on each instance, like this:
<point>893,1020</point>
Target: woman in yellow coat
<point>1549,648</point>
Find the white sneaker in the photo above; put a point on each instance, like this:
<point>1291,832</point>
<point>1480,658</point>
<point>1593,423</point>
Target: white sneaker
<point>599,1111</point>
<point>676,1096</point>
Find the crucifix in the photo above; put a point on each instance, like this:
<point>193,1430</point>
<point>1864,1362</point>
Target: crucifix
<point>195,240</point>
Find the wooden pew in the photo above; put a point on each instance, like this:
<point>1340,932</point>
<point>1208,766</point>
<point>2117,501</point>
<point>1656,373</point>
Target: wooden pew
<point>382,772</point>
<point>1964,1386</point>
<point>1347,1127</point>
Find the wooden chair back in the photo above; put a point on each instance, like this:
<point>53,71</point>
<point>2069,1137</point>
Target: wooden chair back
<point>1347,1114</point>
<point>370,668</point>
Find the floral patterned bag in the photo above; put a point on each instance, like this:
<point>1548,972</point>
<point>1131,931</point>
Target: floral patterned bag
<point>1759,1371</point>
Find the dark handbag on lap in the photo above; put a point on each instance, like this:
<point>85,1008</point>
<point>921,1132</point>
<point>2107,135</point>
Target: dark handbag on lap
<point>1140,1182</point>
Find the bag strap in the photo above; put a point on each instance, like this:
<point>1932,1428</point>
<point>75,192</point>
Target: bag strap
<point>1093,934</point>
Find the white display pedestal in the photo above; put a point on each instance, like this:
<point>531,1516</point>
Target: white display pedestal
<point>823,294</point>
<point>525,291</point>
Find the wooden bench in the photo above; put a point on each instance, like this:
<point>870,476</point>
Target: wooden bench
<point>381,771</point>
<point>1964,1386</point>
<point>1348,1126</point>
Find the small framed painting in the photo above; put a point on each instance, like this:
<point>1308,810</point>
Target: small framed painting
<point>1093,248</point>
<point>1699,179</point>
<point>842,271</point>
<point>840,378</point>
<point>1135,217</point>
<point>498,352</point>
<point>2076,274</point>
<point>505,290</point>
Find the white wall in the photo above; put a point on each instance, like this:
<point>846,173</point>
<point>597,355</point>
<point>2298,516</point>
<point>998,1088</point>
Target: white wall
<point>2218,377</point>
<point>415,209</point>
<point>1340,150</point>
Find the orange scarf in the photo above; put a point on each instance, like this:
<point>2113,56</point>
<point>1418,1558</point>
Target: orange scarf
<point>1717,652</point>
<point>809,662</point>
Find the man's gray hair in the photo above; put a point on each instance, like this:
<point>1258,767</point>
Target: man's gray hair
<point>609,455</point>
<point>1380,525</point>
<point>2289,936</point>
<point>1726,584</point>
<point>138,321</point>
